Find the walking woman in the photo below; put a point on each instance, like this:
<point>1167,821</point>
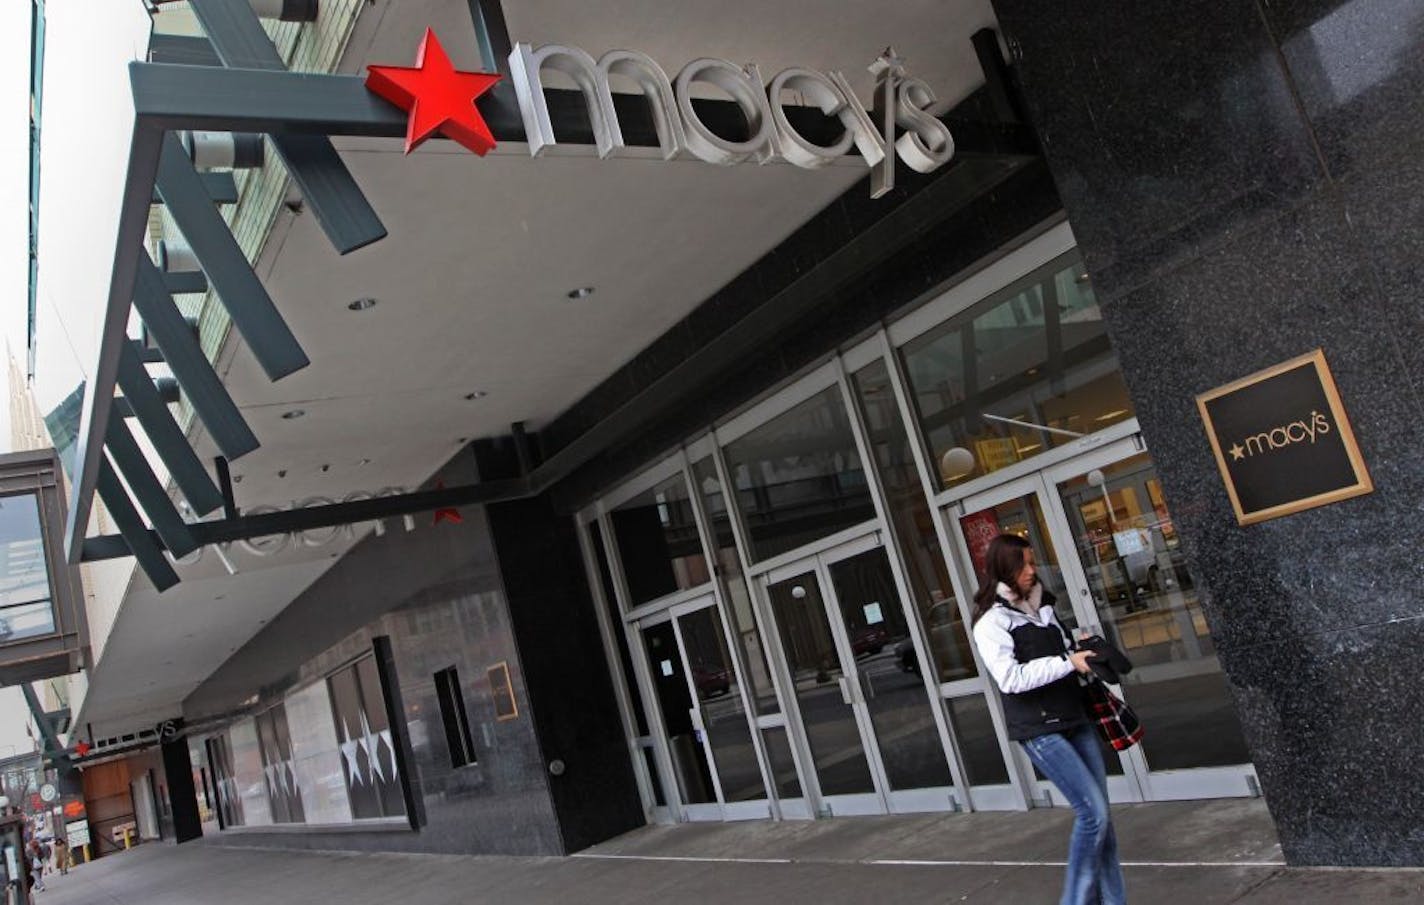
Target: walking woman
<point>1025,649</point>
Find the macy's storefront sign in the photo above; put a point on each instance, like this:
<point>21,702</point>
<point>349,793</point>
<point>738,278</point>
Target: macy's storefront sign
<point>897,124</point>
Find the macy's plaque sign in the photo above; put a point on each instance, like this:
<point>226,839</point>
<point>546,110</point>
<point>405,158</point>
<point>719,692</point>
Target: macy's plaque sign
<point>1282,440</point>
<point>896,125</point>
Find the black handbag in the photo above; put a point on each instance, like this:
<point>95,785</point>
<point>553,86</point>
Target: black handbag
<point>1117,723</point>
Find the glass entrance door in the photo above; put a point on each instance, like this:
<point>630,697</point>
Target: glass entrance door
<point>1134,588</point>
<point>867,721</point>
<point>700,702</point>
<point>1103,536</point>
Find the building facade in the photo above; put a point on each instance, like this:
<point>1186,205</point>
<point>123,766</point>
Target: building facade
<point>732,440</point>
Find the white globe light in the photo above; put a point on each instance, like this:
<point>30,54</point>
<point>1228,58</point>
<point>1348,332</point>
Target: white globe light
<point>798,592</point>
<point>956,463</point>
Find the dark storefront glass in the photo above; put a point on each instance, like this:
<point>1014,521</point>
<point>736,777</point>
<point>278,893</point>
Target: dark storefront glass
<point>739,603</point>
<point>816,673</point>
<point>724,719</point>
<point>799,477</point>
<point>910,513</point>
<point>275,742</point>
<point>225,780</point>
<point>364,735</point>
<point>657,542</point>
<point>26,608</point>
<point>615,619</point>
<point>896,699</point>
<point>1015,376</point>
<point>689,762</point>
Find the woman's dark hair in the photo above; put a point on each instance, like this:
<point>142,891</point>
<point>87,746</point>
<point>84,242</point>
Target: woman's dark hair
<point>1002,563</point>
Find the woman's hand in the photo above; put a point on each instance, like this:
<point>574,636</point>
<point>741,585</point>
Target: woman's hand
<point>1079,659</point>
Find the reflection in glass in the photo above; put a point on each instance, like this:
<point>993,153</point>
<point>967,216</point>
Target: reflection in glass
<point>364,739</point>
<point>283,794</point>
<point>783,766</point>
<point>1014,376</point>
<point>739,603</point>
<point>689,761</point>
<point>615,619</point>
<point>816,673</point>
<point>26,608</point>
<point>978,745</point>
<point>1024,517</point>
<point>1148,604</point>
<point>724,719</point>
<point>316,756</point>
<point>654,776</point>
<point>899,706</point>
<point>657,542</point>
<point>247,774</point>
<point>914,531</point>
<point>799,477</point>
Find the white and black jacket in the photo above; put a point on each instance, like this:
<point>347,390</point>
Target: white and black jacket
<point>1028,658</point>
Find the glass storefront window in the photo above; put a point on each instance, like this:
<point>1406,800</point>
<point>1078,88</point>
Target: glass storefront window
<point>26,607</point>
<point>1147,602</point>
<point>658,543</point>
<point>739,602</point>
<point>1016,375</point>
<point>799,477</point>
<point>914,531</point>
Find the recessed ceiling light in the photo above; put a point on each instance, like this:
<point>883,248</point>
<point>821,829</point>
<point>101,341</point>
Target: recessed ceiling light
<point>477,394</point>
<point>362,304</point>
<point>582,292</point>
<point>1083,277</point>
<point>292,415</point>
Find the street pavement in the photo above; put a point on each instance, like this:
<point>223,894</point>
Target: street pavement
<point>1179,853</point>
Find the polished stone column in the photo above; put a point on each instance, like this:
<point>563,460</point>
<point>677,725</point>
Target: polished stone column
<point>1245,181</point>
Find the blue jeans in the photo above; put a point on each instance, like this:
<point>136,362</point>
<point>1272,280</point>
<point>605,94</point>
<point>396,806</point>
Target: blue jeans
<point>1073,761</point>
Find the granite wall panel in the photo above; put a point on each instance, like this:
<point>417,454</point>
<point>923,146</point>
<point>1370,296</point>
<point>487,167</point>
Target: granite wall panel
<point>1243,180</point>
<point>437,593</point>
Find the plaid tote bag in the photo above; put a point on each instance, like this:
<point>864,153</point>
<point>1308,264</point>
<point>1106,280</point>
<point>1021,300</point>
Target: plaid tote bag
<point>1116,722</point>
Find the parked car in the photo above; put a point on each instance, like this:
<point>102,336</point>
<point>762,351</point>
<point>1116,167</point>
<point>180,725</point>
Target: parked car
<point>948,644</point>
<point>869,639</point>
<point>711,681</point>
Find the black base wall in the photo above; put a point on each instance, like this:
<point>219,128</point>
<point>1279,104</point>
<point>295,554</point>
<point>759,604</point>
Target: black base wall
<point>1245,181</point>
<point>182,794</point>
<point>565,673</point>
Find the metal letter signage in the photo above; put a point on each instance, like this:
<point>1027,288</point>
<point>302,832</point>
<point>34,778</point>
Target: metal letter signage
<point>900,103</point>
<point>1282,440</point>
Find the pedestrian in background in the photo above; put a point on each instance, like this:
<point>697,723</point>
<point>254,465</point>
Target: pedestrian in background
<point>1026,650</point>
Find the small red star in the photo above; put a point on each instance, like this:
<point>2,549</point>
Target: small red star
<point>438,97</point>
<point>82,748</point>
<point>448,513</point>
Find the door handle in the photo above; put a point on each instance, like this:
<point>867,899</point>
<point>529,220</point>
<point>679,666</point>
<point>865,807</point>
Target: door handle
<point>846,695</point>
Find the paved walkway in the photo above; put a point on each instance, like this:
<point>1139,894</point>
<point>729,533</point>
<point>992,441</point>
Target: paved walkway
<point>1198,853</point>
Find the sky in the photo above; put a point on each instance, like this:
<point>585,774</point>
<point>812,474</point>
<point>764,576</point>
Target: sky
<point>14,189</point>
<point>14,262</point>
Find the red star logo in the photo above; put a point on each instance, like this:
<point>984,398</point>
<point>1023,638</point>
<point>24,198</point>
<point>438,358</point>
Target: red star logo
<point>438,97</point>
<point>447,513</point>
<point>82,748</point>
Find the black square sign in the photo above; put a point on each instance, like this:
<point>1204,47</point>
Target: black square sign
<point>1282,440</point>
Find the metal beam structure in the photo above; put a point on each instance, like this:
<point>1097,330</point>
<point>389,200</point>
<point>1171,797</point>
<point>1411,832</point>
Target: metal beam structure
<point>326,184</point>
<point>249,90</point>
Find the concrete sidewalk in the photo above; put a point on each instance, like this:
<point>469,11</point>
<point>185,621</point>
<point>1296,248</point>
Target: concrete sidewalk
<point>1197,853</point>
